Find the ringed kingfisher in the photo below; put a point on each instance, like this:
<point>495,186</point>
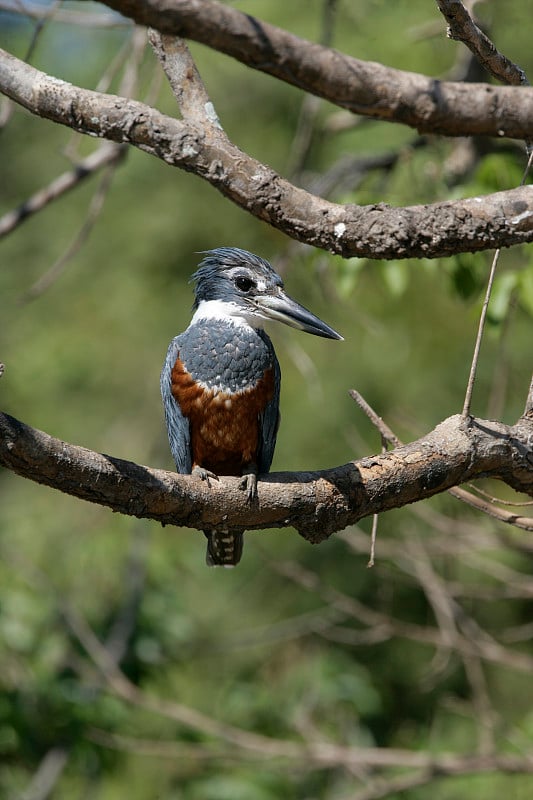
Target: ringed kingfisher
<point>220,383</point>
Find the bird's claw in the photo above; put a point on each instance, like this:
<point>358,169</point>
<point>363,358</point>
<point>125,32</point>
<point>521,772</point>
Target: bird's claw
<point>249,483</point>
<point>204,474</point>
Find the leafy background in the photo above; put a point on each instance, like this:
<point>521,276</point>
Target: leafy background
<point>252,646</point>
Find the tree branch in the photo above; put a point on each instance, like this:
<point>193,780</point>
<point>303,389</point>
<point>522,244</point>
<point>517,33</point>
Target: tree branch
<point>462,27</point>
<point>375,231</point>
<point>315,503</point>
<point>105,155</point>
<point>317,754</point>
<point>529,402</point>
<point>526,523</point>
<point>184,78</point>
<point>363,87</point>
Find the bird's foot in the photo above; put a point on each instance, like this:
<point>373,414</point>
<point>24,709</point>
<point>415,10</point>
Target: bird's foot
<point>204,474</point>
<point>248,482</point>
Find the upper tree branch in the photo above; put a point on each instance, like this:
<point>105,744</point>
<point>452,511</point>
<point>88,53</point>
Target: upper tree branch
<point>315,503</point>
<point>462,27</point>
<point>364,87</point>
<point>375,231</point>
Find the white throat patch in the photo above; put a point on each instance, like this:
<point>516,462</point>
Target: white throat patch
<point>226,312</point>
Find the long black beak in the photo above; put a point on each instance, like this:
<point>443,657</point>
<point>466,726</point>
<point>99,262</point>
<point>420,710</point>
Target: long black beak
<point>283,308</point>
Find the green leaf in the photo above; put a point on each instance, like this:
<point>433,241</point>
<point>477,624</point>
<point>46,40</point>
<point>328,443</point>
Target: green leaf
<point>396,276</point>
<point>348,272</point>
<point>525,290</point>
<point>466,275</point>
<point>502,292</point>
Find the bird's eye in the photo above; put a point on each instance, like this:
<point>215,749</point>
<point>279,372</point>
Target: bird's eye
<point>243,283</point>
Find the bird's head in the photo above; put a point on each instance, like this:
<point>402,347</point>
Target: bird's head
<point>232,283</point>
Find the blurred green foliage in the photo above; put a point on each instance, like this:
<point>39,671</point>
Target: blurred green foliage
<point>251,647</point>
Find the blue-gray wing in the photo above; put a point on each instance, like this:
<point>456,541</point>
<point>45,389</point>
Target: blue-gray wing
<point>177,425</point>
<point>269,422</point>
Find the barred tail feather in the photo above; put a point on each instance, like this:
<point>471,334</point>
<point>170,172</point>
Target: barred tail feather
<point>224,549</point>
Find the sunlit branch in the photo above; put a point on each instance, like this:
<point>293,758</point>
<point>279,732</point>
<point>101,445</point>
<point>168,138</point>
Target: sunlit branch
<point>526,523</point>
<point>95,208</point>
<point>185,80</point>
<point>315,503</point>
<point>384,626</point>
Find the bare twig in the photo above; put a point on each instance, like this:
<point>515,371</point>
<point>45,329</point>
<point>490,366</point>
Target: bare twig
<point>40,25</point>
<point>386,436</point>
<point>462,27</point>
<point>434,588</point>
<point>184,78</point>
<point>185,715</point>
<point>479,337</point>
<point>529,402</point>
<point>467,549</point>
<point>387,787</point>
<point>374,418</point>
<point>375,520</point>
<point>492,499</point>
<point>47,13</point>
<point>373,537</point>
<point>518,521</point>
<point>47,775</point>
<point>105,155</point>
<point>95,209</point>
<point>133,51</point>
<point>128,55</point>
<point>479,644</point>
<point>305,128</point>
<point>316,754</point>
<point>349,171</point>
<point>483,315</point>
<point>153,748</point>
<point>450,617</point>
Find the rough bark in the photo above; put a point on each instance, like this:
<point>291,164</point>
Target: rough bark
<point>364,87</point>
<point>375,231</point>
<point>315,503</point>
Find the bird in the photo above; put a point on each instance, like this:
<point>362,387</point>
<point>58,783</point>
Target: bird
<point>220,383</point>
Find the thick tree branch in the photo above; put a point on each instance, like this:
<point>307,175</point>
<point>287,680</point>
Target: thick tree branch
<point>376,231</point>
<point>364,87</point>
<point>315,503</point>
